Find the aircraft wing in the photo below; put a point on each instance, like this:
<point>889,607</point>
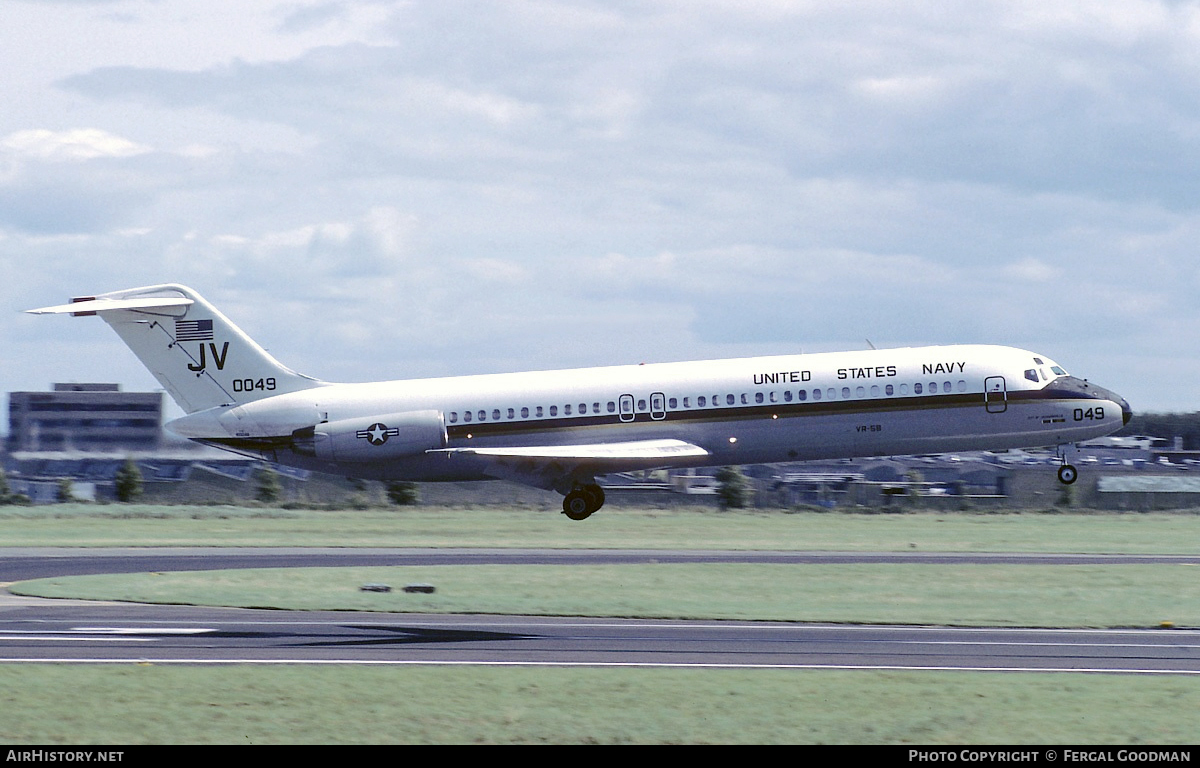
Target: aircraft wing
<point>556,466</point>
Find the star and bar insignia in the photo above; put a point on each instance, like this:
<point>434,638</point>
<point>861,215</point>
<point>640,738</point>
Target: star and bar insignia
<point>377,433</point>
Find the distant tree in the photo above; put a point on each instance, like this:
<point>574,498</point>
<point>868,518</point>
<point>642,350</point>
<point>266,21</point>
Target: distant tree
<point>5,489</point>
<point>733,491</point>
<point>269,487</point>
<point>128,482</point>
<point>66,491</point>
<point>1168,426</point>
<point>915,480</point>
<point>402,493</point>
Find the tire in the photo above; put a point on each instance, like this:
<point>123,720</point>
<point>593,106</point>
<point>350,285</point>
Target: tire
<point>577,505</point>
<point>1067,474</point>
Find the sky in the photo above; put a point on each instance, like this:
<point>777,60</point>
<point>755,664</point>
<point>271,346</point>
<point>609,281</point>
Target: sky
<point>381,189</point>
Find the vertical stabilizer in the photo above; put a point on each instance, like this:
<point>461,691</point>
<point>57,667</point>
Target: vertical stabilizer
<point>201,358</point>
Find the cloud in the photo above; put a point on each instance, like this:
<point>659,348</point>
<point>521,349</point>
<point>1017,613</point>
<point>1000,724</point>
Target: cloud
<point>72,145</point>
<point>464,186</point>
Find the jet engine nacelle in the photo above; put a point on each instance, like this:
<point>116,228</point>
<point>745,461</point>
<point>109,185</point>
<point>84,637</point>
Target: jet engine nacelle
<point>373,438</point>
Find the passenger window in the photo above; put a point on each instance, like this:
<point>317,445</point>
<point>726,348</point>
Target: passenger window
<point>816,394</point>
<point>745,399</point>
<point>946,386</point>
<point>874,390</point>
<point>466,416</point>
<point>917,389</point>
<point>701,401</point>
<point>453,417</point>
<point>483,415</point>
<point>672,403</point>
<point>730,400</point>
<point>861,392</point>
<point>758,397</point>
<point>904,389</point>
<point>539,411</point>
<point>496,414</point>
<point>512,414</point>
<point>889,390</point>
<point>554,410</point>
<point>612,407</point>
<point>962,386</point>
<point>846,393</point>
<point>567,409</point>
<point>802,395</point>
<point>787,395</point>
<point>641,405</point>
<point>686,404</point>
<point>831,394</point>
<point>525,412</point>
<point>932,387</point>
<point>595,407</point>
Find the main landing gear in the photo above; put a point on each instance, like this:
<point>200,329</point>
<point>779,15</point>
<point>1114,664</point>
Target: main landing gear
<point>582,501</point>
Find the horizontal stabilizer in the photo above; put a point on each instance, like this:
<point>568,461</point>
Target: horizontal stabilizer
<point>93,306</point>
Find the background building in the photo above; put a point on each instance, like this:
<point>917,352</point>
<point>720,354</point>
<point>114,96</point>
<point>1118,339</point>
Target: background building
<point>84,417</point>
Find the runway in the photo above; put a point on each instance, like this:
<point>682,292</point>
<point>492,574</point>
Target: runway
<point>81,632</point>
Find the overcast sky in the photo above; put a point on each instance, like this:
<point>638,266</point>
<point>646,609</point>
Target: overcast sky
<point>376,189</point>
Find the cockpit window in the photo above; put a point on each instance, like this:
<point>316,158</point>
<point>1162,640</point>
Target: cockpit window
<point>1058,371</point>
<point>1031,374</point>
<point>1038,360</point>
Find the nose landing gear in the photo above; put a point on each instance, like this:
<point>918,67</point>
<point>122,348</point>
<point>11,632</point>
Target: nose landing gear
<point>1067,473</point>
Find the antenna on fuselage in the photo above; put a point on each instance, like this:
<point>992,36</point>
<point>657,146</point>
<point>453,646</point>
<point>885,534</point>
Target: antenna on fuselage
<point>869,344</point>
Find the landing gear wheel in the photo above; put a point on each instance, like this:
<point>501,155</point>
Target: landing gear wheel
<point>596,494</point>
<point>577,505</point>
<point>1067,474</point>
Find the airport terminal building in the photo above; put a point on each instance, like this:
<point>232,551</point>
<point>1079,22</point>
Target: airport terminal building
<point>85,417</point>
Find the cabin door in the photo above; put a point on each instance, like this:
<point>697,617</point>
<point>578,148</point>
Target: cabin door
<point>995,394</point>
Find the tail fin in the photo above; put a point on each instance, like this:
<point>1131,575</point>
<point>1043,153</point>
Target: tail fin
<point>200,357</point>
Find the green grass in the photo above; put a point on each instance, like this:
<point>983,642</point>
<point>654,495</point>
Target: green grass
<point>965,595</point>
<point>412,705</point>
<point>84,525</point>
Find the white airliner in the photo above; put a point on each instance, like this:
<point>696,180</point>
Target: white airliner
<point>560,429</point>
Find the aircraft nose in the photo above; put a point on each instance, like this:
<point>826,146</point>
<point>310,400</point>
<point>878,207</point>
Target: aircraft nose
<point>1108,394</point>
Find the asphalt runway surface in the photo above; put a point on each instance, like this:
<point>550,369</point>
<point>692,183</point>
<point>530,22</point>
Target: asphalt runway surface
<point>33,630</point>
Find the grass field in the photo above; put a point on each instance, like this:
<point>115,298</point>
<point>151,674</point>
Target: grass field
<point>82,704</point>
<point>118,525</point>
<point>891,593</point>
<point>48,705</point>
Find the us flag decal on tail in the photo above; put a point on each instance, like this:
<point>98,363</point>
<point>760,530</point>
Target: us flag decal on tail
<point>193,330</point>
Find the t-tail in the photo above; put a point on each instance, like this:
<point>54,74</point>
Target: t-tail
<point>201,358</point>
